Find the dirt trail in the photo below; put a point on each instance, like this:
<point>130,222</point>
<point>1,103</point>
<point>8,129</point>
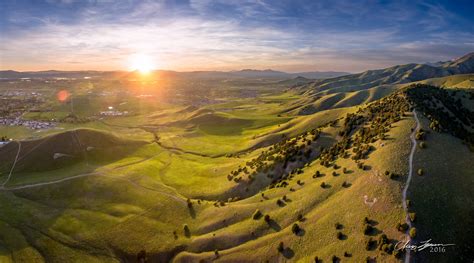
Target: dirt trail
<point>407,184</point>
<point>13,166</point>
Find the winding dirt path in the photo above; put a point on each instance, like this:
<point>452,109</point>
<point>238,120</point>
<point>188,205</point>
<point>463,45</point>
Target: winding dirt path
<point>407,184</point>
<point>13,166</point>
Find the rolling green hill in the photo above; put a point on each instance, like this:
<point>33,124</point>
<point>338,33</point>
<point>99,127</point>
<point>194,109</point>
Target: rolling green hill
<point>315,173</point>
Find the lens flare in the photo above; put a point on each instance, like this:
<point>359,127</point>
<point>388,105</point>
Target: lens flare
<point>63,95</point>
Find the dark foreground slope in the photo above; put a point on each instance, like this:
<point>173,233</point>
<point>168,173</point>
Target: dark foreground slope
<point>64,149</point>
<point>441,193</point>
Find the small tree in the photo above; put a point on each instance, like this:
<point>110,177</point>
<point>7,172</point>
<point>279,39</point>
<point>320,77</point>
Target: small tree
<point>300,217</point>
<point>420,172</point>
<point>267,218</point>
<point>295,229</point>
<point>257,214</point>
<point>412,232</point>
<point>412,217</point>
<point>366,220</point>
<point>280,202</point>
<point>187,232</point>
<point>368,229</point>
<point>281,247</point>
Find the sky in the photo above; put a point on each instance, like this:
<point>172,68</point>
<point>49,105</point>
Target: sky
<point>185,35</point>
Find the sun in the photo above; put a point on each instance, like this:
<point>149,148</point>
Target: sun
<point>141,62</point>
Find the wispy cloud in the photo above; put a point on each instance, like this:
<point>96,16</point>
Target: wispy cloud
<point>205,34</point>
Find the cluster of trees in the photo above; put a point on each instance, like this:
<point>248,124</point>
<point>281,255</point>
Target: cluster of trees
<point>364,127</point>
<point>4,138</point>
<point>274,162</point>
<point>444,109</point>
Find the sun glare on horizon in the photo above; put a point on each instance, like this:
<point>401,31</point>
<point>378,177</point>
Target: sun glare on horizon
<point>142,63</point>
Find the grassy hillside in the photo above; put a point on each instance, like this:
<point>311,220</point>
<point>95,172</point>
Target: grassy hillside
<point>313,172</point>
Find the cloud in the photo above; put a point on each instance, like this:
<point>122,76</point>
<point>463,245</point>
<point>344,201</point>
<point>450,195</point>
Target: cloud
<point>233,34</point>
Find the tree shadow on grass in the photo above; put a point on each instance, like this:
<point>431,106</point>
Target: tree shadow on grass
<point>375,232</point>
<point>192,212</point>
<point>372,222</point>
<point>288,253</point>
<point>274,225</point>
<point>301,232</point>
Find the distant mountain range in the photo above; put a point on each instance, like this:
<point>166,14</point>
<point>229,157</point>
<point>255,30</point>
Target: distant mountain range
<point>396,75</point>
<point>325,79</point>
<point>245,73</point>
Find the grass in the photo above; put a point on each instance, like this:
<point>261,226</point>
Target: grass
<point>443,195</point>
<point>140,198</point>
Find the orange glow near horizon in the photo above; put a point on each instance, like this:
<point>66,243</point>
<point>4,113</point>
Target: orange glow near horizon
<point>142,63</point>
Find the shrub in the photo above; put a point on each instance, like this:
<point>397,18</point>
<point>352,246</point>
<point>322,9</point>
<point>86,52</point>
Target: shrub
<point>335,259</point>
<point>295,229</point>
<point>422,145</point>
<point>281,247</point>
<point>323,185</point>
<point>402,227</point>
<point>338,226</point>
<point>340,235</point>
<point>366,220</point>
<point>334,173</point>
<point>368,229</point>
<point>344,170</point>
<point>412,217</point>
<point>267,218</point>
<point>190,203</point>
<point>370,244</point>
<point>280,202</point>
<point>383,242</point>
<point>187,232</point>
<point>316,259</point>
<point>257,214</point>
<point>420,172</point>
<point>216,252</point>
<point>317,174</point>
<point>347,255</point>
<point>300,217</point>
<point>412,232</point>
